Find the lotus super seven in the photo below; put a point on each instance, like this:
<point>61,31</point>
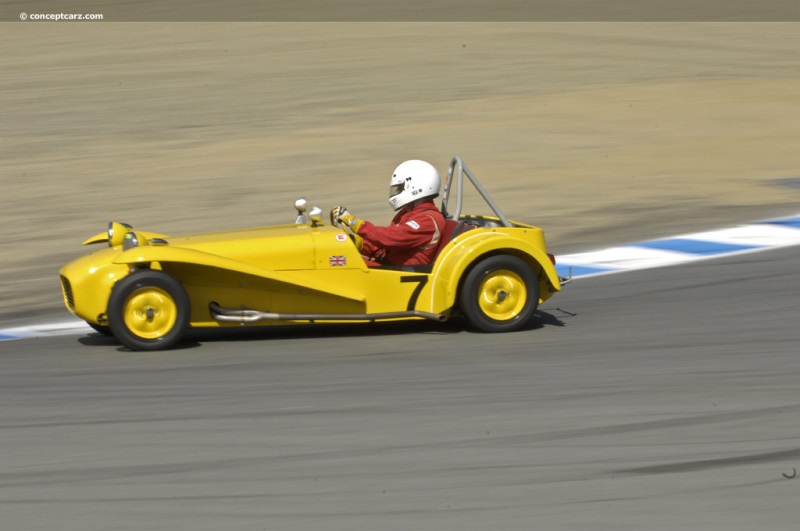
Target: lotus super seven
<point>146,289</point>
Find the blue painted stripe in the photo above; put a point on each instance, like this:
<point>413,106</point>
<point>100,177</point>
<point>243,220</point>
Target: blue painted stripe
<point>580,270</point>
<point>6,337</point>
<point>701,247</point>
<point>785,222</point>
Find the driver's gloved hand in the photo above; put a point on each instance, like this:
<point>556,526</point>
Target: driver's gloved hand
<point>339,218</point>
<point>335,213</point>
<point>340,215</point>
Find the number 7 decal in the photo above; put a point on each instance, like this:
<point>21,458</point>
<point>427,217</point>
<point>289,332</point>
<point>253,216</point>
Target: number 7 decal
<point>422,280</point>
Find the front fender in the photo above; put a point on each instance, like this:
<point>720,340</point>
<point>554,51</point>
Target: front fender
<point>103,237</point>
<point>460,254</point>
<point>163,254</point>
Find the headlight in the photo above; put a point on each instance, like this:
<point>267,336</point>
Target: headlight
<point>130,241</point>
<point>133,240</point>
<point>116,233</point>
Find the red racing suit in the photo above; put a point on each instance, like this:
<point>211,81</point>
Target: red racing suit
<point>411,238</point>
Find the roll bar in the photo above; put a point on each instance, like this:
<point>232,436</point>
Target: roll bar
<point>459,168</point>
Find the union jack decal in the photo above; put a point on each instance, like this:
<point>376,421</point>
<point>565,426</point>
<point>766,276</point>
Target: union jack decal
<point>338,260</point>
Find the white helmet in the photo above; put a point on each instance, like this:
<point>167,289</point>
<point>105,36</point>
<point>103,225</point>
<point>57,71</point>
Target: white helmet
<point>411,181</point>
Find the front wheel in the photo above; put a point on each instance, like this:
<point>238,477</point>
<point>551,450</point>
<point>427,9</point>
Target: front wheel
<point>500,294</point>
<point>148,310</point>
<point>100,329</point>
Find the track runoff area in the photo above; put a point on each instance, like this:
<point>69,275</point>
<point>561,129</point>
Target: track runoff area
<point>754,237</point>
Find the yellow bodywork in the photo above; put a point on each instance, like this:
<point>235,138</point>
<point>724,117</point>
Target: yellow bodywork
<point>297,270</point>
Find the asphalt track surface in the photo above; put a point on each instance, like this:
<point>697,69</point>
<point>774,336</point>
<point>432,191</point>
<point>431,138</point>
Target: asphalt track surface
<point>656,399</point>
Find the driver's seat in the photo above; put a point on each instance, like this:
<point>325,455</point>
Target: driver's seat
<point>452,228</point>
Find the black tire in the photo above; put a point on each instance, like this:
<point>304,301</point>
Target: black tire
<point>100,329</point>
<point>500,294</point>
<point>148,310</point>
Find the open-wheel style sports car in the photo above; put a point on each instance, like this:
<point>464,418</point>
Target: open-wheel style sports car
<point>146,289</point>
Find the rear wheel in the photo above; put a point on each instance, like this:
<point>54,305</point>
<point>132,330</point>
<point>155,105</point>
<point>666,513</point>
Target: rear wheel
<point>148,310</point>
<point>500,294</point>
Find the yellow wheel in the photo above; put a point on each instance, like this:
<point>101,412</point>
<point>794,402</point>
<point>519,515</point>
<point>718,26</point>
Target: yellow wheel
<point>500,294</point>
<point>148,310</point>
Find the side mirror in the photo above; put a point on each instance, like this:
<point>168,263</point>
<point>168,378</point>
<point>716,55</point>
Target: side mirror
<point>315,214</point>
<point>300,205</point>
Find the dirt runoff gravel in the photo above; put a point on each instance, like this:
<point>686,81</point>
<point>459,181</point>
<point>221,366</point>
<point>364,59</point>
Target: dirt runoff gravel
<point>600,133</point>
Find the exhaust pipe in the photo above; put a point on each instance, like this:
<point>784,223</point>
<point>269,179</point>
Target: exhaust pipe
<point>244,316</point>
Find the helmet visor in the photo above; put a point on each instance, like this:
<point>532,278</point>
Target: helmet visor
<point>396,189</point>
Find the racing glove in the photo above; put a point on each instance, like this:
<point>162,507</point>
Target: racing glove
<point>341,215</point>
<point>335,212</point>
<point>337,219</point>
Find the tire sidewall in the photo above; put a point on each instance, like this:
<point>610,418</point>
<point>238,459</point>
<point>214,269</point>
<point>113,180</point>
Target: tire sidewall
<point>470,293</point>
<point>100,329</point>
<point>142,279</point>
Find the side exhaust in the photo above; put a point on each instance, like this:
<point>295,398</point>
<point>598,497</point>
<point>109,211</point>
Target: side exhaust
<point>253,316</point>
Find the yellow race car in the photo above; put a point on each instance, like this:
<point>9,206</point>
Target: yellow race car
<point>146,289</point>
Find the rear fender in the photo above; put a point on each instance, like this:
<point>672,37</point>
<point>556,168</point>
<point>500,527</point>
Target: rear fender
<point>459,256</point>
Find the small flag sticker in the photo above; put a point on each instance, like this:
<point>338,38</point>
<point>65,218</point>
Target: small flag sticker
<point>338,260</point>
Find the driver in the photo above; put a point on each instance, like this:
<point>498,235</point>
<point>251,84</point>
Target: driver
<point>414,233</point>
